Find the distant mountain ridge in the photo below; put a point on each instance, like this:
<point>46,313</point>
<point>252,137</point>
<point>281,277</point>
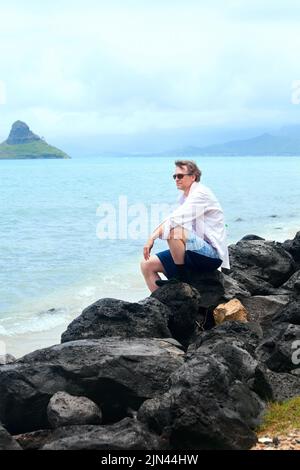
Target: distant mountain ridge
<point>262,145</point>
<point>22,143</point>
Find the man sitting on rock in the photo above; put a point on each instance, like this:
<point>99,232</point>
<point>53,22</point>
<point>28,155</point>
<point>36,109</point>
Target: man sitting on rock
<point>195,233</point>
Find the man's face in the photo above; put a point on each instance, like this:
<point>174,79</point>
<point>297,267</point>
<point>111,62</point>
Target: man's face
<point>186,182</point>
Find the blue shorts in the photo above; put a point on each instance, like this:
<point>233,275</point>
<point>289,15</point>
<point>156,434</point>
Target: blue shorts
<point>200,256</point>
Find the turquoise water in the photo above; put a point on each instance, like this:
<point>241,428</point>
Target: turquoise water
<point>51,257</point>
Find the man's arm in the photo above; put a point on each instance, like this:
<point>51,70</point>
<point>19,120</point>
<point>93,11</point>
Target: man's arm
<point>157,233</point>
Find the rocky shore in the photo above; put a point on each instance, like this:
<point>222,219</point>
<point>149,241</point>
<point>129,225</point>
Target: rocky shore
<point>189,367</point>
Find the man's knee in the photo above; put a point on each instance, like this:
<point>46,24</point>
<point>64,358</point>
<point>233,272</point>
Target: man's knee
<point>144,265</point>
<point>151,265</point>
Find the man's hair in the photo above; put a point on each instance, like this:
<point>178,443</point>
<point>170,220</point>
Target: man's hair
<point>191,166</point>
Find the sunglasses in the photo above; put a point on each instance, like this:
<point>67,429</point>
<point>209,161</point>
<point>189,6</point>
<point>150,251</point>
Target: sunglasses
<point>181,175</point>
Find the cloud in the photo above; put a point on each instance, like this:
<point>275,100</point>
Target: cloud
<point>127,67</point>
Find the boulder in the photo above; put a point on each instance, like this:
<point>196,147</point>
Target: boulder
<point>65,409</point>
<point>279,348</point>
<point>184,304</point>
<point>112,317</point>
<point>284,385</point>
<point>7,442</point>
<point>125,435</point>
<point>290,313</point>
<point>34,440</point>
<point>252,237</point>
<point>210,286</point>
<point>232,289</point>
<point>293,283</point>
<point>215,399</point>
<point>293,247</point>
<point>117,374</point>
<point>232,331</point>
<point>260,266</point>
<point>262,309</point>
<point>230,311</point>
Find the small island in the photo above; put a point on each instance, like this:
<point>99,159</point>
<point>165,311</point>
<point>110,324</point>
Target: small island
<point>22,143</point>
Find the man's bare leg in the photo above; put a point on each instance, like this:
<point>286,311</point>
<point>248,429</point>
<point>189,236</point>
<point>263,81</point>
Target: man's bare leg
<point>176,242</point>
<point>150,270</point>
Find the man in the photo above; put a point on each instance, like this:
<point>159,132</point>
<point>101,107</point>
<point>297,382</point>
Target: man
<point>195,233</point>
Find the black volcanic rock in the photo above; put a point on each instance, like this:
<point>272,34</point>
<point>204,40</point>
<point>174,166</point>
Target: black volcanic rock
<point>127,434</point>
<point>113,317</point>
<point>21,134</point>
<point>260,266</point>
<point>215,398</point>
<point>293,247</point>
<point>115,373</point>
<point>279,349</point>
<point>7,442</point>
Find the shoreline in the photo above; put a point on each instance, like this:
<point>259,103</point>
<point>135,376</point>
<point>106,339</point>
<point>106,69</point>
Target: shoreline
<point>20,344</point>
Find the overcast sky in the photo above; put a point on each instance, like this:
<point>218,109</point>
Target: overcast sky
<point>128,70</point>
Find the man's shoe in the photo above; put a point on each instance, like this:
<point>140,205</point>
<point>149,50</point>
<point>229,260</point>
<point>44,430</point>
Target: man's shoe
<point>172,280</point>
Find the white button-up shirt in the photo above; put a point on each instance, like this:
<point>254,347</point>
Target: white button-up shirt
<point>201,212</point>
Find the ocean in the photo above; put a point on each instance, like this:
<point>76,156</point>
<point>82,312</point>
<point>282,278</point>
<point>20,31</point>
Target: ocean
<point>72,231</point>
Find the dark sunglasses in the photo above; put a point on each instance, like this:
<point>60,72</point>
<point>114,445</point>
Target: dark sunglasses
<point>181,175</point>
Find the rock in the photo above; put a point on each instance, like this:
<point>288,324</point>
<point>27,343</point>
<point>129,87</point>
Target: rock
<point>214,398</point>
<point>293,283</point>
<point>125,435</point>
<point>64,410</point>
<point>184,304</point>
<point>236,343</point>
<point>34,440</point>
<point>7,442</point>
<point>265,440</point>
<point>230,311</point>
<point>279,348</point>
<point>284,385</point>
<point>293,247</point>
<point>210,286</point>
<point>289,313</point>
<point>262,309</point>
<point>112,317</point>
<point>232,289</point>
<point>252,237</point>
<point>115,373</point>
<point>260,266</point>
<point>253,284</point>
<point>7,359</point>
<point>233,331</point>
<point>21,134</point>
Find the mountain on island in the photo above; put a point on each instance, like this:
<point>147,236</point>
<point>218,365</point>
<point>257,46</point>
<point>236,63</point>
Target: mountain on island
<point>22,143</point>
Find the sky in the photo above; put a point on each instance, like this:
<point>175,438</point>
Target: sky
<point>148,75</point>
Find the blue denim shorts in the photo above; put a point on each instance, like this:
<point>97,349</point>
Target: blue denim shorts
<point>198,245</point>
<point>200,256</point>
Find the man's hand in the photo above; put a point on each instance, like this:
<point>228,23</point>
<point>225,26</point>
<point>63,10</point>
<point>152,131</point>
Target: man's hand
<point>147,248</point>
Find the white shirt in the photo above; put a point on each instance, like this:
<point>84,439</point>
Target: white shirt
<point>201,212</point>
